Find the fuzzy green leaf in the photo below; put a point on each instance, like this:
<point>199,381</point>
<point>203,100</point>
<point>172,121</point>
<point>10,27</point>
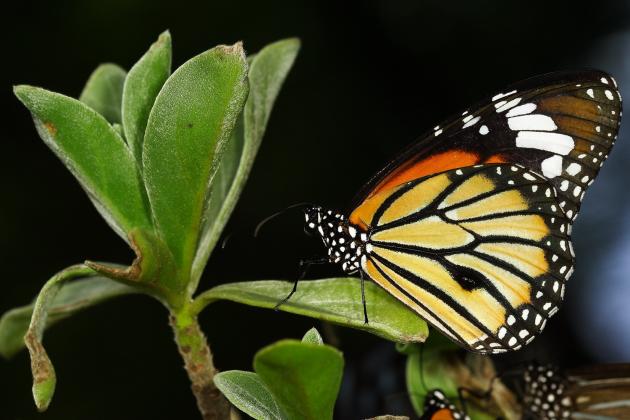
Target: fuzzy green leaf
<point>71,298</point>
<point>304,378</point>
<point>95,154</point>
<point>312,336</point>
<point>268,70</point>
<point>142,86</point>
<point>336,300</point>
<point>189,124</point>
<point>104,90</point>
<point>247,392</point>
<point>44,378</point>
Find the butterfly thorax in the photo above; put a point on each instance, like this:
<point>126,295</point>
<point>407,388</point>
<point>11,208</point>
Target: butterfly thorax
<point>344,241</point>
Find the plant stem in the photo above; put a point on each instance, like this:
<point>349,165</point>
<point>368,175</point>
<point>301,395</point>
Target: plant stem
<point>194,349</point>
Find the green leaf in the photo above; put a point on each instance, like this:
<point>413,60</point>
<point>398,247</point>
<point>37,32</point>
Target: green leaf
<point>415,387</point>
<point>268,70</point>
<point>440,364</point>
<point>189,124</point>
<point>142,86</point>
<point>312,336</point>
<point>304,378</point>
<point>336,300</point>
<point>104,90</point>
<point>71,298</point>
<point>44,378</point>
<point>94,153</point>
<point>247,392</point>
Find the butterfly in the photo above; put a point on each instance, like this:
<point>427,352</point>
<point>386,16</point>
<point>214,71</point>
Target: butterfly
<point>470,225</point>
<point>594,392</point>
<point>438,407</point>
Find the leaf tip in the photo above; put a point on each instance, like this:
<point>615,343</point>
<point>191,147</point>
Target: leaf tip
<point>294,41</point>
<point>164,38</point>
<point>236,50</point>
<point>21,91</point>
<point>312,336</point>
<point>43,392</point>
<point>44,378</point>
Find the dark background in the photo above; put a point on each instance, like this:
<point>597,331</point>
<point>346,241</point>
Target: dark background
<point>371,76</point>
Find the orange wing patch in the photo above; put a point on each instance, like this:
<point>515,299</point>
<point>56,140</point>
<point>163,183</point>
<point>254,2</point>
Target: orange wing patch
<point>443,414</point>
<point>437,163</point>
<point>364,213</point>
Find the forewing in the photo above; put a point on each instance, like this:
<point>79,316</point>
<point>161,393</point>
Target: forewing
<point>482,253</point>
<point>559,125</point>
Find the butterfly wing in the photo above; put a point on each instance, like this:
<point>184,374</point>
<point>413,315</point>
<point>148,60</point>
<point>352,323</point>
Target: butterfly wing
<point>482,253</point>
<point>438,407</point>
<point>545,393</point>
<point>601,391</point>
<point>560,125</point>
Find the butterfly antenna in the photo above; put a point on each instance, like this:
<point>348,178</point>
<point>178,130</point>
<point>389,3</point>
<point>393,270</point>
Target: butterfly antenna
<point>267,219</point>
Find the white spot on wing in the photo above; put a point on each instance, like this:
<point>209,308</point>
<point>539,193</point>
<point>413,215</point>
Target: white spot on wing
<point>472,122</point>
<point>552,166</point>
<point>509,105</point>
<point>558,143</point>
<point>536,122</point>
<point>590,93</point>
<point>574,168</point>
<point>502,95</point>
<point>483,130</point>
<point>521,110</point>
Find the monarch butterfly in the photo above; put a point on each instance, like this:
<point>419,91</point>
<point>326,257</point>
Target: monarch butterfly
<point>470,226</point>
<point>438,407</point>
<point>596,392</point>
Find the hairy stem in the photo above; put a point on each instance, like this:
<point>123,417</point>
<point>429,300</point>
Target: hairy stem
<point>194,349</point>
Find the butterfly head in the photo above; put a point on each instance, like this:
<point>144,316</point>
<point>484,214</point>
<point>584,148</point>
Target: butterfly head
<point>345,243</point>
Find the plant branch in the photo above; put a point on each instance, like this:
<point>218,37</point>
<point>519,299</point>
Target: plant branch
<point>194,349</point>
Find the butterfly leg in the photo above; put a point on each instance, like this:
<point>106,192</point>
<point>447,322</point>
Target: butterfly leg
<point>365,315</point>
<point>304,265</point>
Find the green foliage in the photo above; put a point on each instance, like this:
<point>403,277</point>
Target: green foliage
<point>312,336</point>
<point>184,139</point>
<point>141,87</point>
<point>44,378</point>
<point>267,72</point>
<point>336,300</point>
<point>247,392</point>
<point>439,364</point>
<point>97,156</point>
<point>104,90</point>
<point>71,298</point>
<point>304,377</point>
<point>164,158</point>
<point>292,380</point>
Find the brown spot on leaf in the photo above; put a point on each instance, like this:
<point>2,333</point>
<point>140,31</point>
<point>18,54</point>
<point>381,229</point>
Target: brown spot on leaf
<point>40,363</point>
<point>189,125</point>
<point>50,127</point>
